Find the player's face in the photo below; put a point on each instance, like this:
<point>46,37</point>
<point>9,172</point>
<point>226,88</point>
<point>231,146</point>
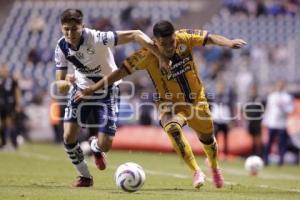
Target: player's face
<point>280,85</point>
<point>166,45</point>
<point>72,32</point>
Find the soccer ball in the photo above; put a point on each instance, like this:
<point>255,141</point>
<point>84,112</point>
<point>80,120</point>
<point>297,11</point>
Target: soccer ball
<point>254,164</point>
<point>130,177</point>
<point>85,147</point>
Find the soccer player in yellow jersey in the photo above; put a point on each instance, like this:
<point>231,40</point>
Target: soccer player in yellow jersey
<point>181,97</point>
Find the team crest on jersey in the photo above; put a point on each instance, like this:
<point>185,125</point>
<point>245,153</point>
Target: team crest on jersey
<point>90,50</point>
<point>182,48</point>
<point>79,55</point>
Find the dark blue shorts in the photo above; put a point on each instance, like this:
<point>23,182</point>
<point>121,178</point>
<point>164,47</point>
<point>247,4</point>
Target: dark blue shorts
<point>7,110</point>
<point>102,108</point>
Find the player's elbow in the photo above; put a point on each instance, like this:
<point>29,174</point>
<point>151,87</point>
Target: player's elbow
<point>211,38</point>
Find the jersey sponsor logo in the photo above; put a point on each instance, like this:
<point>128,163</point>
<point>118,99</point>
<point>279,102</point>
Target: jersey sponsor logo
<point>90,50</point>
<point>79,55</point>
<point>89,70</point>
<point>85,69</point>
<point>179,68</point>
<point>105,38</point>
<point>174,74</point>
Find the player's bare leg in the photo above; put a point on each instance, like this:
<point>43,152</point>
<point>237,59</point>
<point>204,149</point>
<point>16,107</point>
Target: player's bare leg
<point>211,150</point>
<point>173,127</point>
<point>75,153</point>
<point>100,145</point>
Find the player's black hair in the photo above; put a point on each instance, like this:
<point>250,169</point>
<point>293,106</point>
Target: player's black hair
<point>71,15</point>
<point>163,29</point>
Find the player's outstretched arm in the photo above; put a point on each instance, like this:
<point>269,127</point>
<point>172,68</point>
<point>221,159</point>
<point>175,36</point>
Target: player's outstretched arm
<point>141,38</point>
<point>102,84</point>
<point>225,42</point>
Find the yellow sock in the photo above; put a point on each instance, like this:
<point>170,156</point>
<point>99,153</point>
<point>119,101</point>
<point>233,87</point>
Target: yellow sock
<point>181,145</point>
<point>211,151</point>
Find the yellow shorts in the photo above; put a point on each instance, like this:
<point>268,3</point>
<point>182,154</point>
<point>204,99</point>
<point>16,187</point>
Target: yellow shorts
<point>198,117</point>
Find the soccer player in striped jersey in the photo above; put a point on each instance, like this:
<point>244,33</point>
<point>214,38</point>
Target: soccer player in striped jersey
<point>181,93</point>
<point>89,52</point>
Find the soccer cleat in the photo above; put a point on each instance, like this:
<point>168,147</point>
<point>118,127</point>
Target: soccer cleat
<point>100,157</point>
<point>100,160</point>
<point>83,182</point>
<point>198,179</point>
<point>217,177</point>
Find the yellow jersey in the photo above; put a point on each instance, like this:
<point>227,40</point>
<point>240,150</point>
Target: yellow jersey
<point>181,83</point>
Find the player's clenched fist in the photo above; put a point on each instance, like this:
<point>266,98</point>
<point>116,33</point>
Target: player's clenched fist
<point>71,78</point>
<point>63,86</point>
<point>238,43</point>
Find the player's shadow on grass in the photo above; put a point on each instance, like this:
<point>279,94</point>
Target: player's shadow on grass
<point>168,189</point>
<point>149,191</point>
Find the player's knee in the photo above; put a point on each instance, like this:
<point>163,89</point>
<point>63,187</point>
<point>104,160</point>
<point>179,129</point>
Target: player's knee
<point>206,138</point>
<point>172,127</point>
<point>106,146</point>
<point>69,138</point>
<point>169,119</point>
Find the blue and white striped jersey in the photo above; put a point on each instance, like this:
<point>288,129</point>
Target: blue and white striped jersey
<point>92,60</point>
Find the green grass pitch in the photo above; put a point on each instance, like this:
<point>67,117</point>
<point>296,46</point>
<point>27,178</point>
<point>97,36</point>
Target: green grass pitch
<point>43,171</point>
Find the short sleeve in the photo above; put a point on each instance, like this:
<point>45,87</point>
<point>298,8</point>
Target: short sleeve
<point>109,38</point>
<point>139,60</point>
<point>61,62</point>
<point>194,37</point>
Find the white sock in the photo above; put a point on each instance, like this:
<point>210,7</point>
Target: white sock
<point>76,156</point>
<point>83,170</point>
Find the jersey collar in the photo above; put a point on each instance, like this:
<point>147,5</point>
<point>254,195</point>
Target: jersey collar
<point>82,38</point>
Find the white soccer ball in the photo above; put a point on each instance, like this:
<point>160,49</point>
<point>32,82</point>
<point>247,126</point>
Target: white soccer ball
<point>254,164</point>
<point>85,147</point>
<point>130,177</point>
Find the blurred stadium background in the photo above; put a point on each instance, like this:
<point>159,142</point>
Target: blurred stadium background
<point>31,28</point>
